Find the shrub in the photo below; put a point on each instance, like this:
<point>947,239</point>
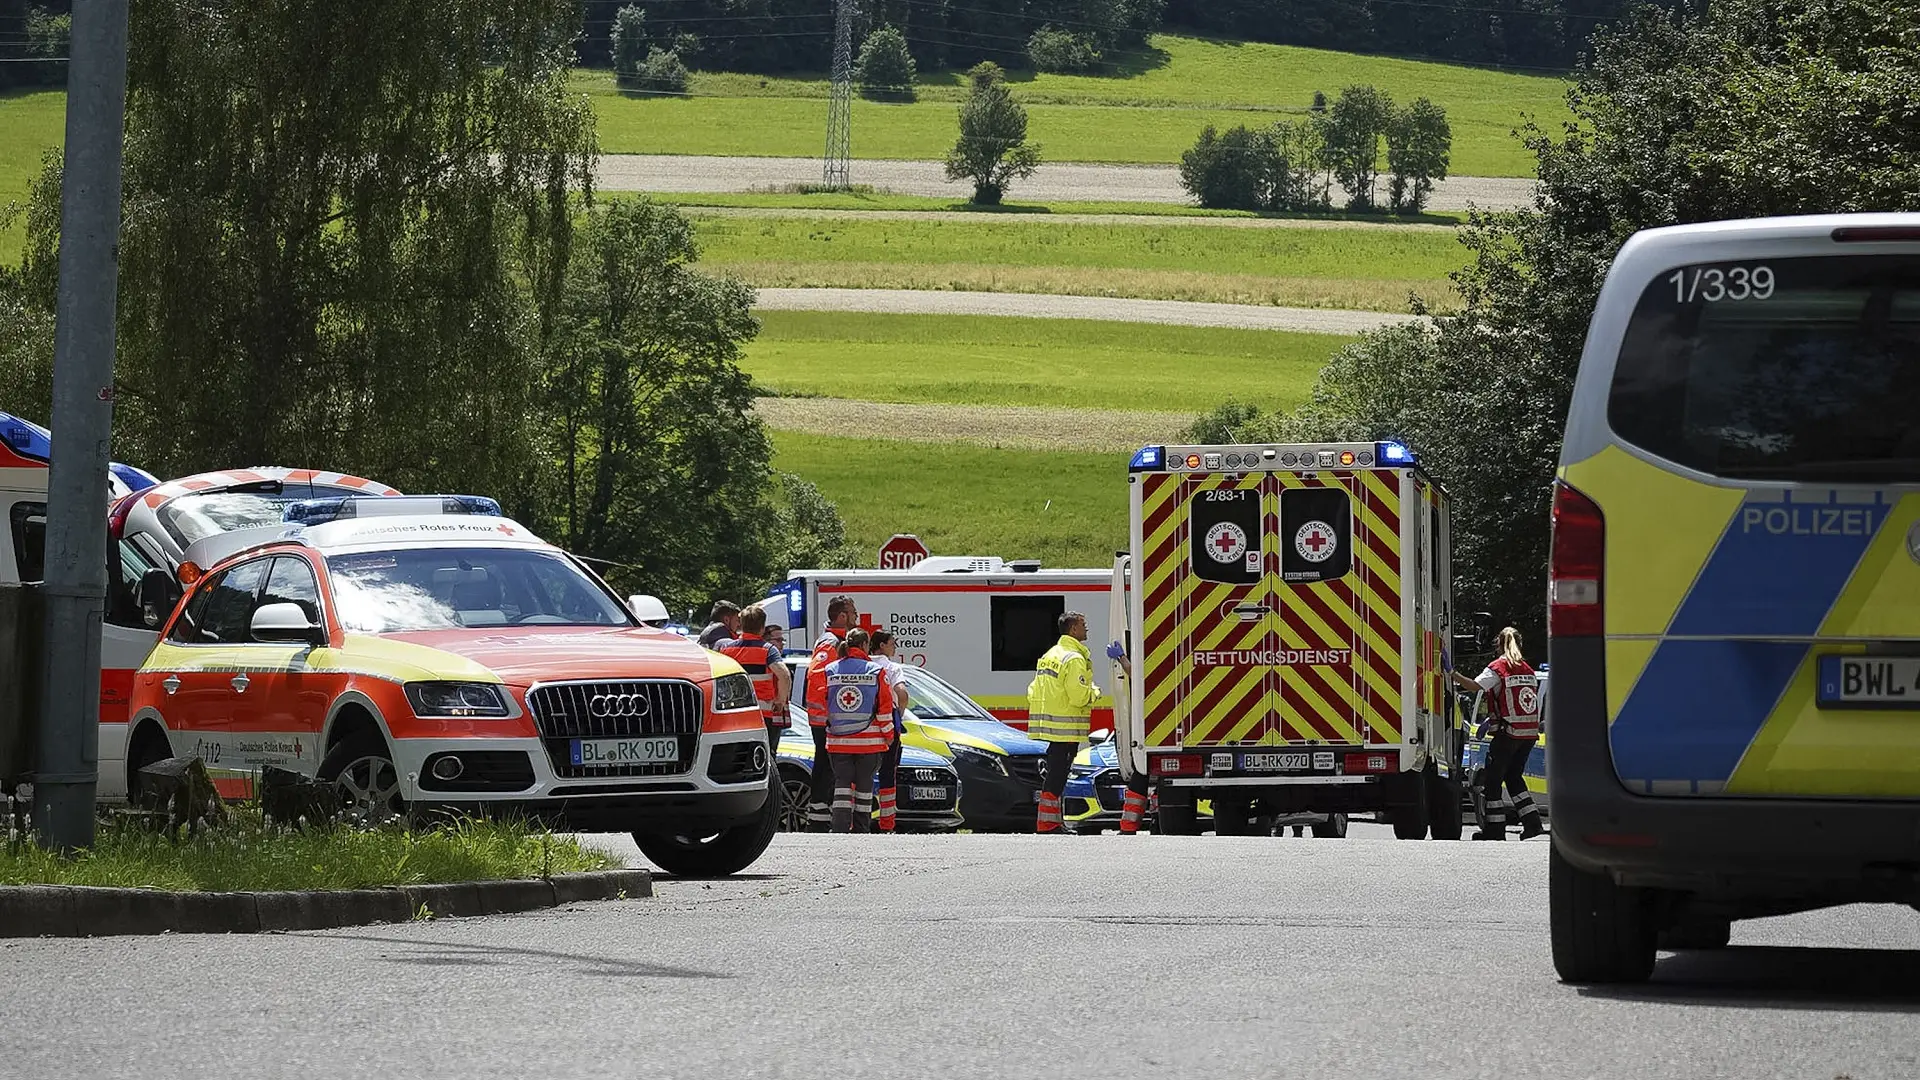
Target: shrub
<point>1419,144</point>
<point>885,67</point>
<point>1275,169</point>
<point>1062,52</point>
<point>629,46</point>
<point>993,147</point>
<point>662,73</point>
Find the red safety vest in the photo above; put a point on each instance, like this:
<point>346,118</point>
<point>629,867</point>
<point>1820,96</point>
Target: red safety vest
<point>825,651</point>
<point>756,658</point>
<point>1517,699</point>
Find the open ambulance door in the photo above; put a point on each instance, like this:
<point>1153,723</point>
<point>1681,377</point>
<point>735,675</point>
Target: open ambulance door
<point>1128,742</point>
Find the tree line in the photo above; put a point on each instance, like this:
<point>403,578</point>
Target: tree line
<point>1757,108</point>
<point>33,42</point>
<point>415,283</point>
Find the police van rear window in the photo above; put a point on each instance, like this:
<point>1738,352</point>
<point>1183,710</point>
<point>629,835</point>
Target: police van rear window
<point>1777,369</point>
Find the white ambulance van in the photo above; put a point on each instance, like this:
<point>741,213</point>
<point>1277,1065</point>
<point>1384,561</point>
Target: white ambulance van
<point>981,623</point>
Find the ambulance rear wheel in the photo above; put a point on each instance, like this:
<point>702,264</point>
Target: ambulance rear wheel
<point>1445,821</point>
<point>1332,827</point>
<point>1231,819</point>
<point>1178,819</point>
<point>1409,811</point>
<point>1602,932</point>
<point>720,854</point>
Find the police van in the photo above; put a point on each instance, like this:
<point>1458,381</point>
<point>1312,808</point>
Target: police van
<point>1286,609</point>
<point>1734,613</point>
<point>982,622</point>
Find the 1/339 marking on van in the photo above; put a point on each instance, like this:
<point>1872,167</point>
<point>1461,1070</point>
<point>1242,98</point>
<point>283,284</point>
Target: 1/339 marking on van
<point>1714,285</point>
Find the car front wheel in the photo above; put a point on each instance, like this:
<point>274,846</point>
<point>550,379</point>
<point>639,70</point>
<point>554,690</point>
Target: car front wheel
<point>720,854</point>
<point>361,773</point>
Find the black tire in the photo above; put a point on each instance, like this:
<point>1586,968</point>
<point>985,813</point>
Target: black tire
<point>718,855</point>
<point>1178,819</point>
<point>1445,819</point>
<point>1409,814</point>
<point>796,787</point>
<point>1602,932</point>
<point>1697,934</point>
<point>149,746</point>
<point>1231,820</point>
<point>1333,828</point>
<point>355,771</point>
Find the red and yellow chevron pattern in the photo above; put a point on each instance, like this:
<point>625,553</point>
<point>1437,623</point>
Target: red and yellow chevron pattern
<point>1354,622</point>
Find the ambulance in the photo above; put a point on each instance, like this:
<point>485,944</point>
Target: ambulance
<point>981,622</point>
<point>1284,610</point>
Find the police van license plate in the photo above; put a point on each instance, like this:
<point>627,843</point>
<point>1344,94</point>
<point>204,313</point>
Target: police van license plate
<point>1870,682</point>
<point>625,751</point>
<point>1277,762</point>
<point>927,794</point>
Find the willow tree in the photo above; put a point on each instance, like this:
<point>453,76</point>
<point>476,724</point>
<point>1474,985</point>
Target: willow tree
<point>347,223</point>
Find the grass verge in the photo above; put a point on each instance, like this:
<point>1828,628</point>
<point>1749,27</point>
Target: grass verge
<point>882,201</point>
<point>1066,508</point>
<point>1002,361</point>
<point>247,856</point>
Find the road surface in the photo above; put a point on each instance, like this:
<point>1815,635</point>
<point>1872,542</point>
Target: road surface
<point>982,956</point>
<point>1055,182</point>
<point>1049,306</point>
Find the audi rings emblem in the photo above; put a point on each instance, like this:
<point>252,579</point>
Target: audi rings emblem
<point>617,706</point>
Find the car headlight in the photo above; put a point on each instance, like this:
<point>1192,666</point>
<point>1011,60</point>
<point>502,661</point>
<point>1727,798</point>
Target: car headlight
<point>456,700</point>
<point>981,758</point>
<point>733,692</point>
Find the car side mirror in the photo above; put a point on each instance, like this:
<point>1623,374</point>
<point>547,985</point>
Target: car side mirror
<point>1099,737</point>
<point>157,595</point>
<point>287,624</point>
<point>648,609</point>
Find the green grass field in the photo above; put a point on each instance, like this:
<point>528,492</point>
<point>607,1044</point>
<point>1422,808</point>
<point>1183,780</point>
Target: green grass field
<point>1151,114</point>
<point>991,360</point>
<point>30,124</point>
<point>1353,269</point>
<point>1063,508</point>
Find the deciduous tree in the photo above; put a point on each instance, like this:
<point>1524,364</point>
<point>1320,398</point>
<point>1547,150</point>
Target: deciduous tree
<point>993,147</point>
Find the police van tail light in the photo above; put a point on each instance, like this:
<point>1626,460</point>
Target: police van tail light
<point>1573,584</point>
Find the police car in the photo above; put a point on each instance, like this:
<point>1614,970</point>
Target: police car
<point>1734,584</point>
<point>927,787</point>
<point>428,653</point>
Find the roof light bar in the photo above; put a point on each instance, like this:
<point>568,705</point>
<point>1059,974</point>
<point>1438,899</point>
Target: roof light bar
<point>321,511</point>
<point>1393,453</point>
<point>1147,457</point>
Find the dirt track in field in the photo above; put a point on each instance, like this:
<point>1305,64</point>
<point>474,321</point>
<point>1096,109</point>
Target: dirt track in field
<point>1013,427</point>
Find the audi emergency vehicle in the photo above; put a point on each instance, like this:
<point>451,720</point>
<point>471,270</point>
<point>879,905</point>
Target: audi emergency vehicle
<point>425,652</point>
<point>1734,614</point>
<point>982,622</point>
<point>1285,608</point>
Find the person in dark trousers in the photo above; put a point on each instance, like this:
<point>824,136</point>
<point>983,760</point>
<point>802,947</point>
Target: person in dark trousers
<point>1059,713</point>
<point>841,616</point>
<point>1134,805</point>
<point>859,730</point>
<point>884,650</point>
<point>725,624</point>
<point>1513,691</point>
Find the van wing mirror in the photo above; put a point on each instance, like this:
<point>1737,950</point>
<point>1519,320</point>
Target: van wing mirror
<point>287,624</point>
<point>157,595</point>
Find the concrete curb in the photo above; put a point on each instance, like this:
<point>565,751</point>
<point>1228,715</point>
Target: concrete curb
<point>83,911</point>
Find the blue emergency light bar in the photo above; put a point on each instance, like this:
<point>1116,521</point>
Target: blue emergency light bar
<point>1393,453</point>
<point>321,511</point>
<point>1147,458</point>
<point>26,438</point>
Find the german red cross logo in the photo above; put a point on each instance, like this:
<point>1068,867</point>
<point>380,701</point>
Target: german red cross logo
<point>848,698</point>
<point>1226,542</point>
<point>1315,541</point>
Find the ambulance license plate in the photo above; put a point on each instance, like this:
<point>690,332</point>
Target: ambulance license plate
<point>1870,682</point>
<point>1276,762</point>
<point>625,751</point>
<point>927,794</point>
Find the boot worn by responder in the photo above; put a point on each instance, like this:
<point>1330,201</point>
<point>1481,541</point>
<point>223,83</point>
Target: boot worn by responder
<point>887,806</point>
<point>1132,809</point>
<point>1529,814</point>
<point>843,810</point>
<point>1494,825</point>
<point>1049,819</point>
<point>862,812</point>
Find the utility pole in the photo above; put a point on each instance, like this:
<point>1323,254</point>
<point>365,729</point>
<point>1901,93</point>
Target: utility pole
<point>840,109</point>
<point>76,562</point>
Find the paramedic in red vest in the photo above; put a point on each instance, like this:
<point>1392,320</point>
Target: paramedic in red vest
<point>1134,807</point>
<point>884,652</point>
<point>1514,693</point>
<point>859,730</point>
<point>772,683</point>
<point>1059,713</point>
<point>840,618</point>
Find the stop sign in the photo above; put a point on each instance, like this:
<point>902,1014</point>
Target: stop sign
<point>901,552</point>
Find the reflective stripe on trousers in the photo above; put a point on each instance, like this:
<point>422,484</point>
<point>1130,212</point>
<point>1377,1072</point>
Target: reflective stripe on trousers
<point>1051,728</point>
<point>1132,810</point>
<point>1049,818</point>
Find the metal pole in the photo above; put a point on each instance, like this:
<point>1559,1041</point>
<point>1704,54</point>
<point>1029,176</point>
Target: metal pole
<point>836,172</point>
<point>76,563</point>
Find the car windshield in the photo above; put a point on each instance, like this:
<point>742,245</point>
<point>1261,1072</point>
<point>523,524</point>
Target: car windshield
<point>932,698</point>
<point>197,516</point>
<point>385,592</point>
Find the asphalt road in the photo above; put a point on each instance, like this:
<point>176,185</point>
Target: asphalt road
<point>1054,182</point>
<point>1052,306</point>
<point>991,957</point>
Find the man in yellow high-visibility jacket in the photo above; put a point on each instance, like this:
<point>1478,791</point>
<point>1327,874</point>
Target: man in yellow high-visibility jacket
<point>1059,712</point>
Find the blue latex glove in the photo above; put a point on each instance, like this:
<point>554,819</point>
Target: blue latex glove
<point>1115,650</point>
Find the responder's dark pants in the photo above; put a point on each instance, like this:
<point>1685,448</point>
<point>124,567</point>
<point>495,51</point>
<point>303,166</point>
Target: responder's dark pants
<point>853,800</point>
<point>1507,768</point>
<point>1060,757</point>
<point>820,797</point>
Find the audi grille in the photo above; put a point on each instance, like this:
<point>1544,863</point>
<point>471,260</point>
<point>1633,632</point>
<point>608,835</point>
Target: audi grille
<point>612,710</point>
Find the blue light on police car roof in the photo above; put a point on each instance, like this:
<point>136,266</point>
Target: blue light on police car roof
<point>1393,453</point>
<point>321,511</point>
<point>1147,457</point>
<point>26,437</point>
